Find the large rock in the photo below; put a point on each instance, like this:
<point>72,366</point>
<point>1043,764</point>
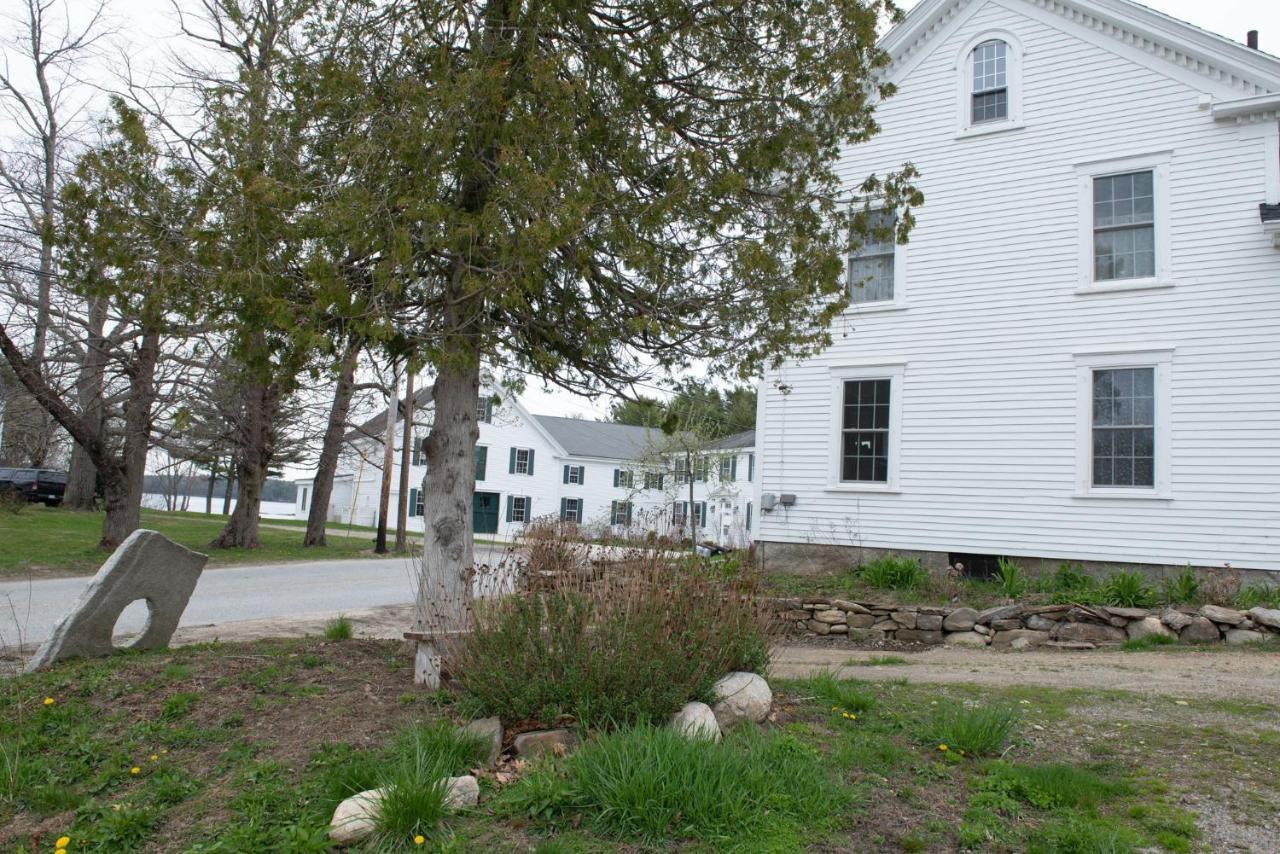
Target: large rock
<point>461,792</point>
<point>818,628</point>
<point>696,720</point>
<point>740,697</point>
<point>1224,616</point>
<point>489,730</point>
<point>1006,625</point>
<point>830,617</point>
<point>146,566</point>
<point>965,639</point>
<point>928,622</point>
<point>1040,623</point>
<point>1129,613</point>
<point>1024,637</point>
<point>860,621</point>
<point>917,636</point>
<point>906,619</point>
<point>1239,636</point>
<point>356,817</point>
<point>850,607</point>
<point>557,742</point>
<point>960,620</point>
<point>1199,630</point>
<point>1176,620</point>
<point>1002,612</point>
<point>1269,617</point>
<point>1148,627</point>
<point>1090,633</point>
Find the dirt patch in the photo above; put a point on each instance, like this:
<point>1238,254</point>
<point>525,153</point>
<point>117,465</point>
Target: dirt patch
<point>1218,674</point>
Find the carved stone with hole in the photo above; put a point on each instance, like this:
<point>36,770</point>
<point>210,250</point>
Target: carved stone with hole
<point>147,566</point>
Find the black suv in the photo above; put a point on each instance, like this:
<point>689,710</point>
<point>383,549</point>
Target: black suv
<point>35,484</point>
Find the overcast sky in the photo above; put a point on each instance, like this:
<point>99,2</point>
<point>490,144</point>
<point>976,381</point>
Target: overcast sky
<point>149,29</point>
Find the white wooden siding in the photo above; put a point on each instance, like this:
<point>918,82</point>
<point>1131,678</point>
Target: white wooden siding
<point>993,323</point>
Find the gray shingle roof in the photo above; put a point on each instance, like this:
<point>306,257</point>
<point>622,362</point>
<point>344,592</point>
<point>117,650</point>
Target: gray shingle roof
<point>376,427</point>
<point>599,438</point>
<point>745,439</point>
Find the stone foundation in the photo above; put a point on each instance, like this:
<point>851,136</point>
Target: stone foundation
<point>1021,626</point>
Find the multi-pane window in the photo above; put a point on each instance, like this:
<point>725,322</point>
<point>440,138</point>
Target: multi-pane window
<point>682,470</point>
<point>574,474</point>
<point>1124,229</point>
<point>1124,432</point>
<point>864,431</point>
<point>520,506</point>
<point>728,466</point>
<point>700,513</point>
<point>484,410</point>
<point>990,81</point>
<point>620,513</point>
<point>871,267</point>
<point>680,513</point>
<point>653,480</point>
<point>419,451</point>
<point>624,478</point>
<point>571,509</point>
<point>523,456</point>
<point>419,503</point>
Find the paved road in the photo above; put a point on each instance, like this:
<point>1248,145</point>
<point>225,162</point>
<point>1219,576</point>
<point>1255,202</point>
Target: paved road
<point>29,609</point>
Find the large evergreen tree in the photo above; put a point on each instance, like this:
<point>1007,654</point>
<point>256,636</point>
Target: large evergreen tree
<point>581,191</point>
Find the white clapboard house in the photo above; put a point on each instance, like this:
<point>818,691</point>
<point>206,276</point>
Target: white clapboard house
<point>1076,356</point>
<point>613,479</point>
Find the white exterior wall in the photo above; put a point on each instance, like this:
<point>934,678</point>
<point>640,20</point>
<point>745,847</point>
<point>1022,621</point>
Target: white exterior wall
<point>991,323</point>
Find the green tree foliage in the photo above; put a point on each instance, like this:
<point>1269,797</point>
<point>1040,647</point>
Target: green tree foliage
<point>697,405</point>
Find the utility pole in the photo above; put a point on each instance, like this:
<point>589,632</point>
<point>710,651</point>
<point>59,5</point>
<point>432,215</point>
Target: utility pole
<point>388,463</point>
<point>402,509</point>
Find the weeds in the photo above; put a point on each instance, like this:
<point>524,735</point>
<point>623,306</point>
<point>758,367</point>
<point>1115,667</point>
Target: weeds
<point>893,572</point>
<point>415,784</point>
<point>1182,589</point>
<point>1126,590</point>
<point>339,628</point>
<point>1147,642</point>
<point>1010,579</point>
<point>970,731</point>
<point>848,695</point>
<point>1258,596</point>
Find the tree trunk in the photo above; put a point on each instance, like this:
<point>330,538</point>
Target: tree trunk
<point>388,464</point>
<point>230,475</point>
<point>402,505</point>
<point>82,477</point>
<point>331,448</point>
<point>443,608</point>
<point>257,447</point>
<point>208,496</point>
<point>124,507</point>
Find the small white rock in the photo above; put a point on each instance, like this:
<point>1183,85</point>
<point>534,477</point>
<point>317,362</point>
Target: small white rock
<point>696,720</point>
<point>741,697</point>
<point>461,792</point>
<point>355,818</point>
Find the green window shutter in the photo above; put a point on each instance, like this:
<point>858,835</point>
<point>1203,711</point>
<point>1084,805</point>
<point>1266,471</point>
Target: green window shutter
<point>564,508</point>
<point>733,468</point>
<point>413,502</point>
<point>582,475</point>
<point>482,460</point>
<point>751,468</point>
<point>528,509</point>
<point>628,514</point>
<point>617,476</point>
<point>510,506</point>
<point>531,465</point>
<point>566,475</point>
<point>748,515</point>
<point>512,469</point>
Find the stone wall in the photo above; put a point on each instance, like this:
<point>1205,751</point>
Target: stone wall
<point>1021,626</point>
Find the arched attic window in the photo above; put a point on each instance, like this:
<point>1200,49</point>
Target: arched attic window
<point>989,64</point>
<point>989,84</point>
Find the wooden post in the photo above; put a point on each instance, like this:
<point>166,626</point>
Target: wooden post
<point>402,506</point>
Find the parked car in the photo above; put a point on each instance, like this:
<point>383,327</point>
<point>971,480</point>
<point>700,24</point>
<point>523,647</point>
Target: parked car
<point>35,484</point>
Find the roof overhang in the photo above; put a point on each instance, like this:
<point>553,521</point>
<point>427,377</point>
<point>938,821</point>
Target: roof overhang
<point>1254,108</point>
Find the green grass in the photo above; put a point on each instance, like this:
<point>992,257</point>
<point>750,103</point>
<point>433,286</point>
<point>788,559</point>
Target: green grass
<point>849,695</point>
<point>982,730</point>
<point>1147,642</point>
<point>55,540</point>
<point>878,661</point>
<point>339,628</point>
<point>753,791</point>
<point>893,572</point>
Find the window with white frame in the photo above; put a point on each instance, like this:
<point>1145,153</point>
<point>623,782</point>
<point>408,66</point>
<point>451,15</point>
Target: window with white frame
<point>419,450</point>
<point>1124,226</point>
<point>990,93</point>
<point>1123,445</point>
<point>872,268</point>
<point>571,509</point>
<point>680,513</point>
<point>518,508</point>
<point>522,457</point>
<point>653,480</point>
<point>484,410</point>
<point>620,513</point>
<point>1124,427</point>
<point>728,469</point>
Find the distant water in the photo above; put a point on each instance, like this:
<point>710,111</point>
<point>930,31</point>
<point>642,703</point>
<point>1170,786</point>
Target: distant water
<point>270,509</point>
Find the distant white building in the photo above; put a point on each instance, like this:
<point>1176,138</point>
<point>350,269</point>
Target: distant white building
<point>613,479</point>
<point>1075,356</point>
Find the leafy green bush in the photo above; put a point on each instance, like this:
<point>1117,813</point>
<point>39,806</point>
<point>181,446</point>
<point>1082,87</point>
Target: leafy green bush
<point>414,782</point>
<point>651,785</point>
<point>630,649</point>
<point>1126,590</point>
<point>1010,579</point>
<point>976,731</point>
<point>893,572</point>
<point>1182,589</point>
<point>339,628</point>
<point>1068,583</point>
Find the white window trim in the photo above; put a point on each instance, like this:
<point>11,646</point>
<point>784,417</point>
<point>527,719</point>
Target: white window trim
<point>894,372</point>
<point>575,475</point>
<point>1158,164</point>
<point>965,127</point>
<point>899,300</point>
<point>1160,358</point>
<point>526,452</point>
<point>524,503</point>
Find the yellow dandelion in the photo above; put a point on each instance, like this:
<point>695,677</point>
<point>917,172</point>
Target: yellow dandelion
<point>60,851</point>
<point>63,842</point>
<point>49,701</point>
<point>154,757</point>
<point>135,770</point>
<point>943,748</point>
<point>419,839</point>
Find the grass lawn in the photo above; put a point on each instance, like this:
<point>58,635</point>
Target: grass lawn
<point>48,541</point>
<point>246,748</point>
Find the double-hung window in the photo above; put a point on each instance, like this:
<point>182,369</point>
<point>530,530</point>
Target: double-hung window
<point>574,474</point>
<point>519,508</point>
<point>728,469</point>
<point>1125,414</point>
<point>653,480</point>
<point>521,461</point>
<point>484,410</point>
<point>620,513</point>
<point>419,451</point>
<point>864,431</point>
<point>872,267</point>
<point>1124,226</point>
<point>571,509</point>
<point>990,98</point>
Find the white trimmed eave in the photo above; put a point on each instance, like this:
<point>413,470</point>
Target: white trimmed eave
<point>1255,108</point>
